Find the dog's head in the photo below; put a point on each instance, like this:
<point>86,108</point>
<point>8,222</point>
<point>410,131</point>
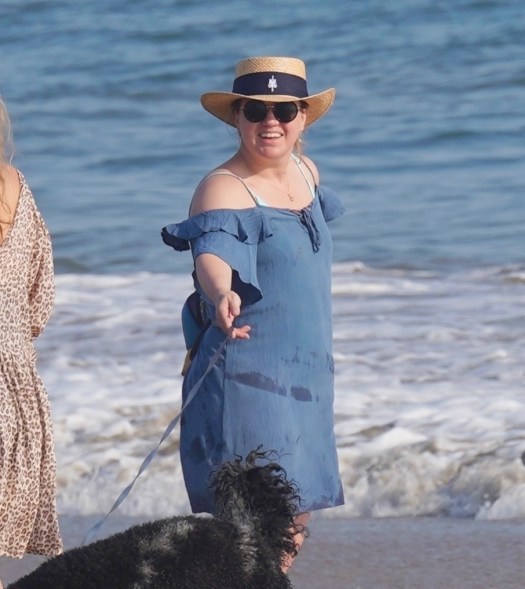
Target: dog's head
<point>255,491</point>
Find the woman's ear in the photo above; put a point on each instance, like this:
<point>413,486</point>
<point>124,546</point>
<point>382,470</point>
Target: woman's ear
<point>303,121</point>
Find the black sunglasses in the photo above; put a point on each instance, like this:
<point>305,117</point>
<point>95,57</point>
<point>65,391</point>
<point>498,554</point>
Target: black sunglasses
<point>255,111</point>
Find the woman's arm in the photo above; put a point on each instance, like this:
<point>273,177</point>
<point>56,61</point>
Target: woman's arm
<point>215,278</point>
<point>213,273</point>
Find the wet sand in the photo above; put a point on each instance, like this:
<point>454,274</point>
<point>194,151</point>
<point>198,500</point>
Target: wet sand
<point>399,553</point>
<point>412,553</point>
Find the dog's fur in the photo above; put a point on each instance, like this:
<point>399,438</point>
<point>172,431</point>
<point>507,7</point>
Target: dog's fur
<point>241,547</point>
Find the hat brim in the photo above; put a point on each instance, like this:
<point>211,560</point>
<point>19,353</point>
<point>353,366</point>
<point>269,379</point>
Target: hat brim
<point>219,104</point>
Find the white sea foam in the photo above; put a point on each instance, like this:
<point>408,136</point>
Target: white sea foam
<point>429,391</point>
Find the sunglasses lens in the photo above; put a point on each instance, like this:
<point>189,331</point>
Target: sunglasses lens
<point>285,112</point>
<point>254,111</point>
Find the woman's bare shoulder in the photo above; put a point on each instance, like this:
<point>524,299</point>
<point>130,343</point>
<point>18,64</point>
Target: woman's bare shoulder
<point>220,189</point>
<point>11,187</point>
<point>311,167</point>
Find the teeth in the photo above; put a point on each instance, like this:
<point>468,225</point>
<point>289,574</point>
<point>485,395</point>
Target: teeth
<point>270,135</point>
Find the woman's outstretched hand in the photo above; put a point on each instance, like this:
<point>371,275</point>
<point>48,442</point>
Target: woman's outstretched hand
<point>228,307</point>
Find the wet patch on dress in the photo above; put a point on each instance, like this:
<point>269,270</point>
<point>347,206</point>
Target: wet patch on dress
<point>259,381</point>
<point>301,394</point>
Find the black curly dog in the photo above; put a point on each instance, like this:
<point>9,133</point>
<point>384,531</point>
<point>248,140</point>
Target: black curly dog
<point>241,547</point>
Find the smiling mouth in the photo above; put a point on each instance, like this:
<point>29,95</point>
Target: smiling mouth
<point>270,135</point>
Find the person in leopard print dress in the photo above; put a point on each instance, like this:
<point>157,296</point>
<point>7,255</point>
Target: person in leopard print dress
<point>28,518</point>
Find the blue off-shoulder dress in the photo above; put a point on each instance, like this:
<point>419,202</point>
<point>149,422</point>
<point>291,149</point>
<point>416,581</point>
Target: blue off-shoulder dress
<point>277,388</point>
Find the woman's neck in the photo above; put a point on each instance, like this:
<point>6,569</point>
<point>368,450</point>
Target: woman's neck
<point>276,169</point>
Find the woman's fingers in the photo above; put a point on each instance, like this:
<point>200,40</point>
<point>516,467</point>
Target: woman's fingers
<point>228,308</point>
<point>239,332</point>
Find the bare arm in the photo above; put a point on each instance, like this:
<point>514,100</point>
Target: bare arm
<point>215,278</point>
<point>213,273</point>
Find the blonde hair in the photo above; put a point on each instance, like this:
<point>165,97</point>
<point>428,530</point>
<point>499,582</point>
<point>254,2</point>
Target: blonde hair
<point>6,136</point>
<point>6,155</point>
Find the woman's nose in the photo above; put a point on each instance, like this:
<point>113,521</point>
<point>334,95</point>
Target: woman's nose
<point>270,115</point>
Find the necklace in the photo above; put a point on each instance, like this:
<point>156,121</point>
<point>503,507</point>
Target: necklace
<point>288,193</point>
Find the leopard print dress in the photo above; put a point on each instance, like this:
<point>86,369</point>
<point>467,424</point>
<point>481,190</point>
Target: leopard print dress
<point>28,518</point>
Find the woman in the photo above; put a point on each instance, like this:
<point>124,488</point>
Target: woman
<point>262,252</point>
<point>28,519</point>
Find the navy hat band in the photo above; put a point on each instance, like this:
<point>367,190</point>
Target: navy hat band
<point>270,83</point>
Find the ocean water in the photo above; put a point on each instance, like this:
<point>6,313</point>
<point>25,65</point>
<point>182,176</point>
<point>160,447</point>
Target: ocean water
<point>425,147</point>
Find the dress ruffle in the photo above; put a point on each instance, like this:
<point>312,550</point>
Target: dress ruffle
<point>234,234</point>
<point>230,234</point>
<point>331,204</point>
<point>249,226</point>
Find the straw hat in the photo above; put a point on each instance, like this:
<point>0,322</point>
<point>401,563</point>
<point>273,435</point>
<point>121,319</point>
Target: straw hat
<point>273,79</point>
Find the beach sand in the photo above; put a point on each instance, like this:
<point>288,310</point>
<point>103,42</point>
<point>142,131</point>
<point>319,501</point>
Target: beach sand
<point>398,553</point>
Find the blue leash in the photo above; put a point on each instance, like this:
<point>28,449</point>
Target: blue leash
<point>91,533</point>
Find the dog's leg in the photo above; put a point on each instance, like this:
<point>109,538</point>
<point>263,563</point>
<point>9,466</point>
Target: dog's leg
<point>300,523</point>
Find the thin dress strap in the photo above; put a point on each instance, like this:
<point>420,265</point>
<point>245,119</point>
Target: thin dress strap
<point>259,202</point>
<point>299,161</point>
<point>255,198</point>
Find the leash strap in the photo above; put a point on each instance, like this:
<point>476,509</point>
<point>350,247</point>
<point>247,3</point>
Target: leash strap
<point>91,533</point>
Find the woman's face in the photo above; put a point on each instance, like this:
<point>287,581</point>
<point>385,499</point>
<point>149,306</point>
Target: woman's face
<point>265,128</point>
